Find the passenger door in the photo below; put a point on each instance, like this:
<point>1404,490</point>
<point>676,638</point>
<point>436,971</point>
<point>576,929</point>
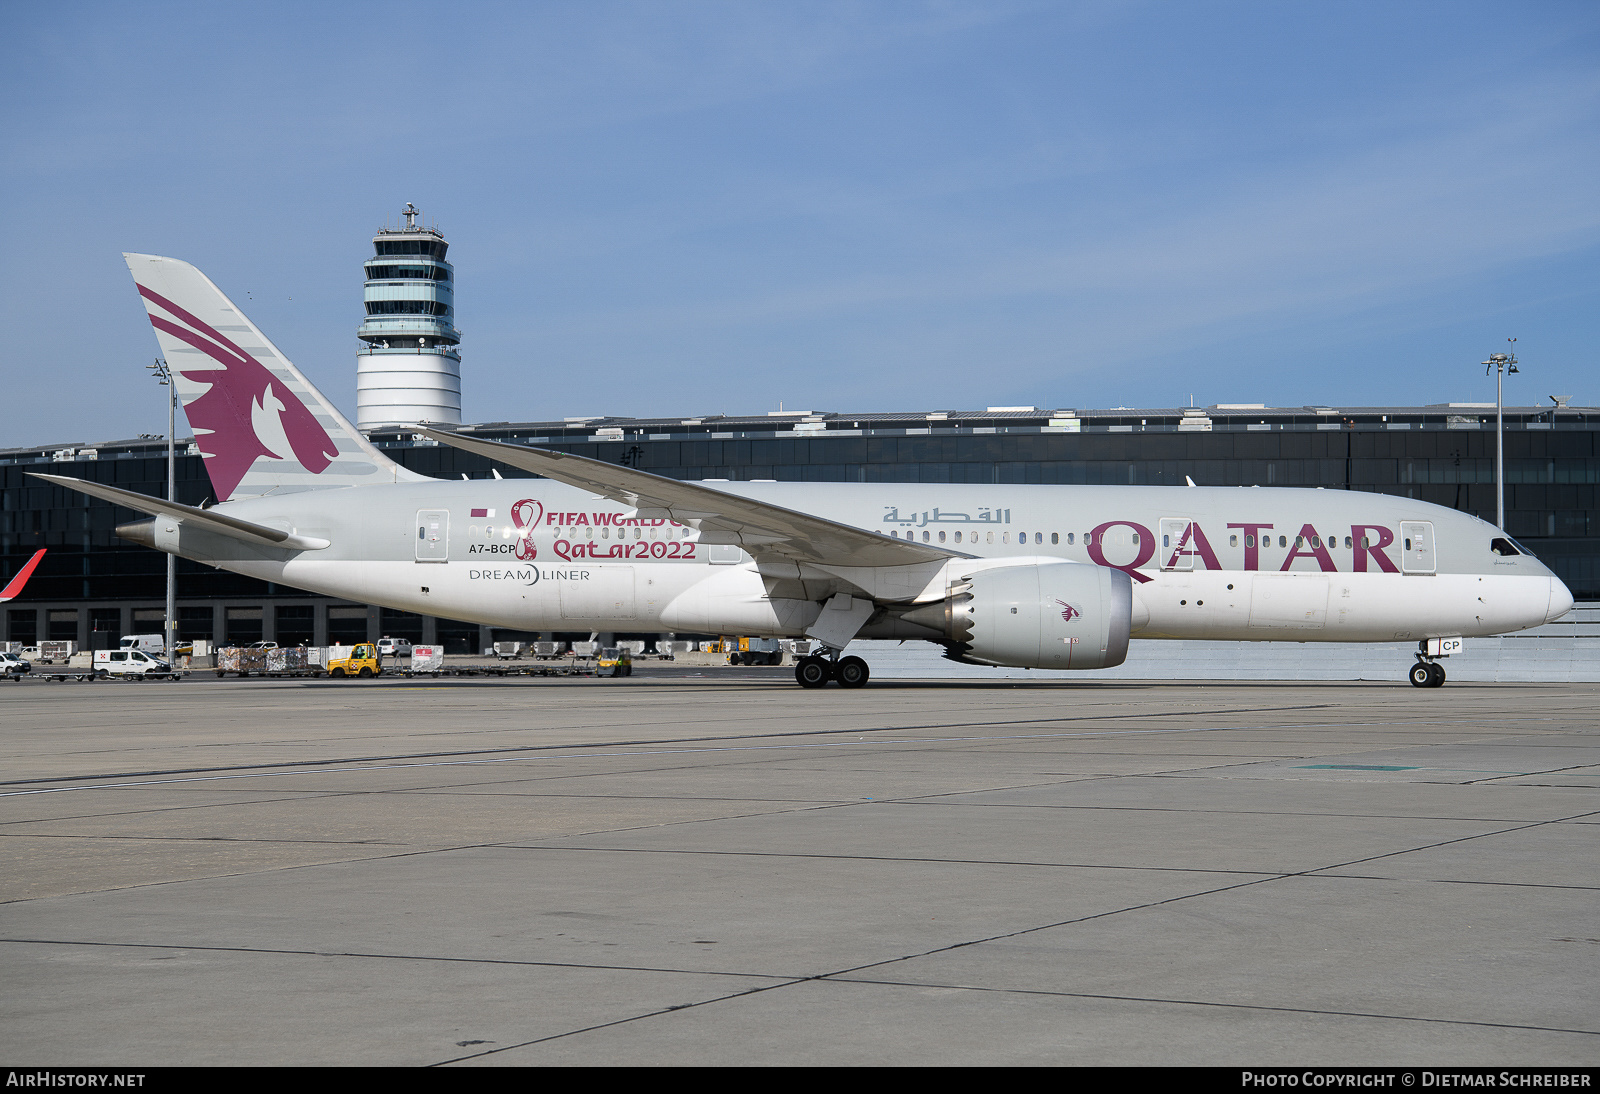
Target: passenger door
<point>1177,553</point>
<point>433,535</point>
<point>1417,554</point>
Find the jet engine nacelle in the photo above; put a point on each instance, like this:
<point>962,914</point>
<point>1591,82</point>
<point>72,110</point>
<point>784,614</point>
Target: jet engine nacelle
<point>1052,615</point>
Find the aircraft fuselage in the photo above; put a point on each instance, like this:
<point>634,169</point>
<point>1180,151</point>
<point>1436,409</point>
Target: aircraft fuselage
<point>1206,563</point>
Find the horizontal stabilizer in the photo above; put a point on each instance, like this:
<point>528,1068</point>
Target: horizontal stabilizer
<point>763,529</point>
<point>14,586</point>
<point>223,525</point>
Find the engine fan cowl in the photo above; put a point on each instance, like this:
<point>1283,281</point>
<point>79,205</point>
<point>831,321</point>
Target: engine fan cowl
<point>1062,615</point>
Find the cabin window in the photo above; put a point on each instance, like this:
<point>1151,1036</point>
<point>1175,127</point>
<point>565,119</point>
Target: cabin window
<point>1408,543</point>
<point>1283,541</point>
<point>991,537</point>
<point>1136,539</point>
<point>1070,537</point>
<point>1233,541</point>
<point>941,535</point>
<point>958,537</point>
<point>1055,537</point>
<point>924,537</point>
<point>1249,541</point>
<point>1348,543</point>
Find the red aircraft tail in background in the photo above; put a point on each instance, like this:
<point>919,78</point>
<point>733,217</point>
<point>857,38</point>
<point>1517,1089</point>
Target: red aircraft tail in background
<point>11,591</point>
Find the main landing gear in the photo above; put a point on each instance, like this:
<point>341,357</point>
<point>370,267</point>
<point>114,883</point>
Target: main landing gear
<point>815,671</point>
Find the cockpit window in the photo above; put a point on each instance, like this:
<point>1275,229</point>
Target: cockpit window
<point>1505,545</point>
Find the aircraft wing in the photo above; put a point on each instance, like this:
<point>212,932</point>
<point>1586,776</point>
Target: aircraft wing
<point>14,586</point>
<point>759,527</point>
<point>247,531</point>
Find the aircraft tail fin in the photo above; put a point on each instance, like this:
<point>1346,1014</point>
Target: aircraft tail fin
<point>261,426</point>
<point>14,587</point>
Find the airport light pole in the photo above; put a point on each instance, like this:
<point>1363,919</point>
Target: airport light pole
<point>1501,364</point>
<point>164,376</point>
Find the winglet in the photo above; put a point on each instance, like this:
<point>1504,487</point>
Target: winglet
<point>14,587</point>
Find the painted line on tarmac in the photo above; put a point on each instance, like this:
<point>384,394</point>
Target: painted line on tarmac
<point>877,742</point>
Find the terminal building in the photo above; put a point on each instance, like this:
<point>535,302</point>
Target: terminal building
<point>93,587</point>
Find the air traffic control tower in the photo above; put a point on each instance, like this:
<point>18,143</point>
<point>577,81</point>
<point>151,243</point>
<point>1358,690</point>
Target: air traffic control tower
<point>410,369</point>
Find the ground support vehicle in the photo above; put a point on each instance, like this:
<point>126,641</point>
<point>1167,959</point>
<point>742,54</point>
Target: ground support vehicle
<point>614,661</point>
<point>272,661</point>
<point>426,661</point>
<point>131,664</point>
<point>49,652</point>
<point>362,661</point>
<point>13,666</point>
<point>66,675</point>
<point>566,666</point>
<point>509,651</point>
<point>753,651</point>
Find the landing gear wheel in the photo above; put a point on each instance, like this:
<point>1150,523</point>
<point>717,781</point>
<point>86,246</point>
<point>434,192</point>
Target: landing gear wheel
<point>813,672</point>
<point>852,672</point>
<point>1422,675</point>
<point>1435,675</point>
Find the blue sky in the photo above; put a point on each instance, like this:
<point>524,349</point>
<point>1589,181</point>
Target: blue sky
<point>676,208</point>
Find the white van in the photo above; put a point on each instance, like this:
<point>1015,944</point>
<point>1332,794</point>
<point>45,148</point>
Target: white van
<point>149,643</point>
<point>131,662</point>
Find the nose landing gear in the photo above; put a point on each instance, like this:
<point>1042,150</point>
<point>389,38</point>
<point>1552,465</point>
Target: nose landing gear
<point>815,671</point>
<point>1427,672</point>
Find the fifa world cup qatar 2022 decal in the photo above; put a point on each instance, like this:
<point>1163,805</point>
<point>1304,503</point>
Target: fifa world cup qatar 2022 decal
<point>626,536</point>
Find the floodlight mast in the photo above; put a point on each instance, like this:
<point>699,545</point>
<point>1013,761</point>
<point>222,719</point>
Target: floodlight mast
<point>1501,364</point>
<point>170,626</point>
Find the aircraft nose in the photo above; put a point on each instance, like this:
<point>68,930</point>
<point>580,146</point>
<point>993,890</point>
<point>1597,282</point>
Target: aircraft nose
<point>1560,600</point>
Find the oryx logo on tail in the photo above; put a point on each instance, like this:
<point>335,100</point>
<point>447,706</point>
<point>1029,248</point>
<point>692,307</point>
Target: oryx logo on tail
<point>245,411</point>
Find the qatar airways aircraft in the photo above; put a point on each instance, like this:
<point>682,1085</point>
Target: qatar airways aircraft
<point>1045,577</point>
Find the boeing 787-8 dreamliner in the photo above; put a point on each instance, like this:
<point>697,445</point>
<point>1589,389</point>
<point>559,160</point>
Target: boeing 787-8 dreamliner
<point>1045,577</point>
